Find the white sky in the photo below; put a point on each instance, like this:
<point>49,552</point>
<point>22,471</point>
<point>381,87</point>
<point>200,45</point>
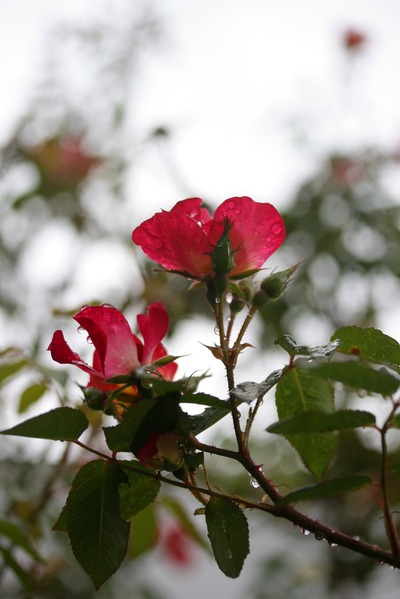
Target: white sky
<point>252,88</point>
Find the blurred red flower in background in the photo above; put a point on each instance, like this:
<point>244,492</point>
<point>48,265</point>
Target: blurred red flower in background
<point>354,40</point>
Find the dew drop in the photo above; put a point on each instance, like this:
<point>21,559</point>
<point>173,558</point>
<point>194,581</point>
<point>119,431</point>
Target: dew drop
<point>333,545</point>
<point>80,329</point>
<point>217,300</point>
<point>276,228</point>
<point>254,483</point>
<point>356,538</point>
<point>89,340</point>
<point>216,330</point>
<point>319,536</point>
<point>229,297</point>
<point>304,532</point>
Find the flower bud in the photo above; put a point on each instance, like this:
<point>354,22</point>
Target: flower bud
<point>236,305</point>
<point>222,258</point>
<point>94,398</point>
<point>275,285</point>
<point>260,298</point>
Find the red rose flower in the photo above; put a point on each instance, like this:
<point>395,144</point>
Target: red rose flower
<point>117,350</point>
<point>184,239</point>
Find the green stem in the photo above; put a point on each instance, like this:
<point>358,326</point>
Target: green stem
<point>387,514</point>
<point>227,359</point>
<point>245,325</point>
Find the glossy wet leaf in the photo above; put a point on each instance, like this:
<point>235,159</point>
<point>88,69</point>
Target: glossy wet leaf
<point>97,531</point>
<point>322,422</point>
<point>300,391</point>
<point>368,343</point>
<point>326,488</point>
<point>229,535</point>
<point>138,492</point>
<point>359,376</point>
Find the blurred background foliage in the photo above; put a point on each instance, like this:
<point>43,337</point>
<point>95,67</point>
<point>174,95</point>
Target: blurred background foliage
<point>65,240</point>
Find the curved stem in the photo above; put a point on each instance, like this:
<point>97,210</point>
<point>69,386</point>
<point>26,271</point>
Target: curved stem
<point>390,526</point>
<point>287,512</point>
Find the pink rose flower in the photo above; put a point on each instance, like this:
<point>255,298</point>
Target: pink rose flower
<point>184,239</point>
<point>117,350</point>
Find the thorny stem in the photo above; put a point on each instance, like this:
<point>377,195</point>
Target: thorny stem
<point>387,514</point>
<point>250,419</point>
<point>227,355</point>
<point>230,327</point>
<point>245,324</point>
<point>304,522</point>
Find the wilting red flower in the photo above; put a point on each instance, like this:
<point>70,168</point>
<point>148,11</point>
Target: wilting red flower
<point>117,350</point>
<point>184,239</point>
<point>161,451</point>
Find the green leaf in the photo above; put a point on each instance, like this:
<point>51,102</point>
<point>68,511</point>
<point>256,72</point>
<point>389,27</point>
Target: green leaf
<point>97,531</point>
<point>60,525</point>
<point>31,395</point>
<point>207,418</point>
<point>322,422</point>
<point>229,535</point>
<point>163,417</point>
<point>138,492</point>
<point>120,437</point>
<point>60,424</point>
<point>300,391</point>
<point>20,539</point>
<point>327,488</point>
<point>22,575</point>
<point>319,352</point>
<point>359,376</point>
<point>204,399</point>
<point>249,391</point>
<point>368,343</point>
<point>8,369</point>
<point>166,360</point>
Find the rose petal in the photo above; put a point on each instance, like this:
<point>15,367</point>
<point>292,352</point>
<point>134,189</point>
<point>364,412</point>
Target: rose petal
<point>258,230</point>
<point>176,241</point>
<point>63,354</point>
<point>153,327</point>
<point>112,337</point>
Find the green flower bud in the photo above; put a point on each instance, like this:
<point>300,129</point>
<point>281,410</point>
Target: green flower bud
<point>260,298</point>
<point>94,398</point>
<point>275,285</point>
<point>236,305</point>
<point>222,258</point>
